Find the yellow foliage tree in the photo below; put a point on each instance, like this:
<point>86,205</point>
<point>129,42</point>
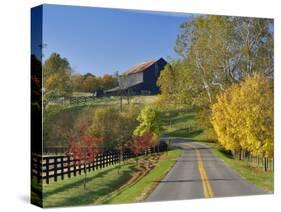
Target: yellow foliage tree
<point>243,116</point>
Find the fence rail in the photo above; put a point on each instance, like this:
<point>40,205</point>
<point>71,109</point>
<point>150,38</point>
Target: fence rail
<point>80,99</point>
<point>47,167</point>
<point>72,99</point>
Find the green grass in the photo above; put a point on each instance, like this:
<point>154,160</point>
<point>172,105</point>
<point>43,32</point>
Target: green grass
<point>180,123</point>
<point>141,188</point>
<point>260,178</point>
<point>70,192</point>
<point>78,94</point>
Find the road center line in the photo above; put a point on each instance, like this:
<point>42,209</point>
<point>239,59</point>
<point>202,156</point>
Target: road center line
<point>207,189</point>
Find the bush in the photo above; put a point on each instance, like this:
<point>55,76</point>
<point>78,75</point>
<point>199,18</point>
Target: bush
<point>115,127</point>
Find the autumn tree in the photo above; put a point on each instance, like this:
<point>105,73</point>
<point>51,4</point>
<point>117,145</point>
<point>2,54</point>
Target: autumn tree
<point>91,83</point>
<point>140,143</point>
<point>84,148</point>
<point>56,77</point>
<point>243,116</point>
<point>115,127</point>
<point>108,81</point>
<point>77,82</point>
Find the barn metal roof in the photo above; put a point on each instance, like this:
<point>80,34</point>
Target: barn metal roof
<point>140,67</point>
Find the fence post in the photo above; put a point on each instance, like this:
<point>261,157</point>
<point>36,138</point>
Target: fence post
<point>74,163</point>
<point>47,170</point>
<point>112,157</point>
<point>61,167</point>
<point>68,167</point>
<point>103,160</point>
<point>55,169</point>
<point>93,164</point>
<point>100,160</point>
<point>39,161</point>
<point>107,159</point>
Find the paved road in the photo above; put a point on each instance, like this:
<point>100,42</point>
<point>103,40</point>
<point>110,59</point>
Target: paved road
<point>199,174</point>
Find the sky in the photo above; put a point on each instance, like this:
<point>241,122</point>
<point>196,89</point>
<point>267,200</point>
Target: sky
<point>103,41</point>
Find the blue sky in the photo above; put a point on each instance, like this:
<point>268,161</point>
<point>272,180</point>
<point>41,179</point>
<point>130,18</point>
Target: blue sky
<point>103,41</point>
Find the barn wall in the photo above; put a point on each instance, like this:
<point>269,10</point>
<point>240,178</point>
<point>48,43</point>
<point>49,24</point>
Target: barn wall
<point>151,76</point>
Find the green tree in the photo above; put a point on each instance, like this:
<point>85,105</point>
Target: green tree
<point>167,83</point>
<point>149,121</point>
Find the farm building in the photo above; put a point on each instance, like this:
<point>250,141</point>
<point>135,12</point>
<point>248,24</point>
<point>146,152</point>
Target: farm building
<point>140,79</point>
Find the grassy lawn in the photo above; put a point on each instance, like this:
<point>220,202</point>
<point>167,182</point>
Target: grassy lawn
<point>140,189</point>
<point>70,192</point>
<point>180,123</point>
<point>107,100</point>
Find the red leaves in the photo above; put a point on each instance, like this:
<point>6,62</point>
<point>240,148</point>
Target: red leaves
<point>82,127</point>
<point>85,147</point>
<point>75,150</point>
<point>140,143</point>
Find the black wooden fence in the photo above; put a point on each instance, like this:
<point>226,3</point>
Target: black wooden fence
<point>56,167</point>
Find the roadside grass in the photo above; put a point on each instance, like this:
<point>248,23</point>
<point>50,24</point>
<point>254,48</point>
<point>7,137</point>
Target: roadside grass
<point>140,189</point>
<point>181,124</point>
<point>255,175</point>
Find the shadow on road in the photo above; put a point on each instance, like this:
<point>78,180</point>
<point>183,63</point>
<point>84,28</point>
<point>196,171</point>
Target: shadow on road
<point>193,180</point>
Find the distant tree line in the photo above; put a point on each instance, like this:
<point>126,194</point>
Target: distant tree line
<point>91,83</point>
<point>60,80</point>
